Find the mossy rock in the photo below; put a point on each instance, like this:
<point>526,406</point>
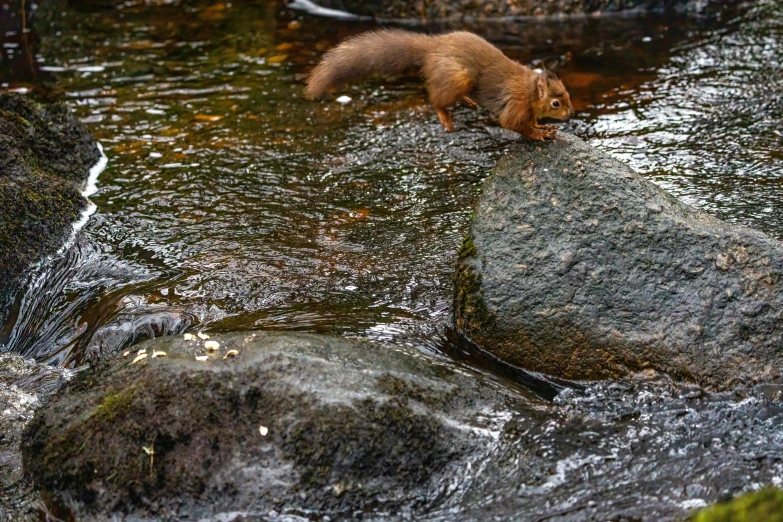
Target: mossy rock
<point>45,158</point>
<point>291,423</point>
<point>765,505</point>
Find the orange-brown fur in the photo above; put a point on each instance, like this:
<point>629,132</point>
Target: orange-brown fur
<point>457,67</point>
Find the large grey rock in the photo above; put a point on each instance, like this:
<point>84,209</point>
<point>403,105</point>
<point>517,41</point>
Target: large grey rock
<point>576,266</point>
<point>352,426</point>
<point>359,430</point>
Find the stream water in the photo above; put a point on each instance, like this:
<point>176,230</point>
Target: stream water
<point>230,202</point>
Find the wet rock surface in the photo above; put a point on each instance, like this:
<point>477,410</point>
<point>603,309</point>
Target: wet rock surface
<point>299,426</point>
<point>474,9</point>
<point>290,422</point>
<point>45,157</point>
<point>24,386</point>
<point>576,266</point>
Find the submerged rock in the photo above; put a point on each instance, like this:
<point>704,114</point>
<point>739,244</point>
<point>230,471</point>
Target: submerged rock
<point>476,9</point>
<point>578,267</point>
<point>268,421</point>
<point>45,158</point>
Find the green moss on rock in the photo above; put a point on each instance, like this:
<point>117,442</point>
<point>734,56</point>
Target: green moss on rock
<point>351,426</point>
<point>471,310</point>
<point>45,157</point>
<point>765,505</point>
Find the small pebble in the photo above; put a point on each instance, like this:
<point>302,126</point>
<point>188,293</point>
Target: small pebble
<point>211,345</point>
<point>201,357</point>
<point>344,99</point>
<point>126,353</point>
<point>263,430</point>
<point>189,337</point>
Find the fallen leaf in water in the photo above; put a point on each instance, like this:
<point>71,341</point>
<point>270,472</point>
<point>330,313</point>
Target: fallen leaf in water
<point>202,336</point>
<point>231,353</point>
<point>207,117</point>
<point>284,46</point>
<point>201,357</point>
<point>361,214</point>
<point>156,353</point>
<point>277,58</point>
<point>139,358</point>
<point>138,44</point>
<point>213,13</point>
<point>189,337</point>
<point>211,345</point>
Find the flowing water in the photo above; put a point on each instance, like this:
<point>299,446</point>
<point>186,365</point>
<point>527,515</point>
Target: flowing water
<point>230,202</point>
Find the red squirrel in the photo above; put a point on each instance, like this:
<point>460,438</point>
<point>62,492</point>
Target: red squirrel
<point>457,67</point>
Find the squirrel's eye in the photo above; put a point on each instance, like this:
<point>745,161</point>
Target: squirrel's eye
<point>555,104</point>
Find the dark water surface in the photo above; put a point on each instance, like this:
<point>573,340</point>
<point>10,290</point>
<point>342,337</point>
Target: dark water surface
<point>229,202</point>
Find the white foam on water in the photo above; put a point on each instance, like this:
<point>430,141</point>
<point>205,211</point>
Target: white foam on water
<point>90,188</point>
<point>317,10</point>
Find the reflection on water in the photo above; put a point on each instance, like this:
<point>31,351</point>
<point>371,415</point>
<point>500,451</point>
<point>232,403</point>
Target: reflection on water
<point>230,202</point>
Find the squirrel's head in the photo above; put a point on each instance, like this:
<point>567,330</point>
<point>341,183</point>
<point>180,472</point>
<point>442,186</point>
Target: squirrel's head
<point>552,100</point>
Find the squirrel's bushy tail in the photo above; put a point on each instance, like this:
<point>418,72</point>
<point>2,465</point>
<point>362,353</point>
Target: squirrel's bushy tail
<point>386,52</point>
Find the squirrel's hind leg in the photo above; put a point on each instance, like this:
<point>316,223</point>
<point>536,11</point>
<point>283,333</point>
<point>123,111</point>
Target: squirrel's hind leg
<point>447,83</point>
<point>445,119</point>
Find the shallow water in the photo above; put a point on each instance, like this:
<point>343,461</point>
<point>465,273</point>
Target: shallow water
<point>230,202</point>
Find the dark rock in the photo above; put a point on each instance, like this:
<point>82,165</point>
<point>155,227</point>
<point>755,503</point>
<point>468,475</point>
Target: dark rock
<point>359,430</point>
<point>576,266</point>
<point>45,158</point>
<point>24,386</point>
<point>352,425</point>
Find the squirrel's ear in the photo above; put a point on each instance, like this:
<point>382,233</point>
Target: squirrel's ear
<point>541,86</point>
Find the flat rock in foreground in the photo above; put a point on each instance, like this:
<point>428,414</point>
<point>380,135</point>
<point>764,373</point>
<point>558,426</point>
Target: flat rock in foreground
<point>578,267</point>
<point>292,421</point>
<point>305,427</point>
